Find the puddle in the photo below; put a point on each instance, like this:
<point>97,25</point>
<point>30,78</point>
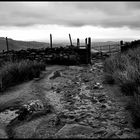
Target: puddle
<point>7,116</point>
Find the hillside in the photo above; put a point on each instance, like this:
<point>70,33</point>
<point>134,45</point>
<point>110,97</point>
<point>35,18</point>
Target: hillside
<point>18,45</point>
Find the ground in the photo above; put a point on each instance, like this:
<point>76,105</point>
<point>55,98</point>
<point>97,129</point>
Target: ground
<point>77,104</point>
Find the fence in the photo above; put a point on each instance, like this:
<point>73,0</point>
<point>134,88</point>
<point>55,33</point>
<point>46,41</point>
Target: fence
<point>51,53</point>
<point>107,50</point>
<point>129,45</point>
<point>69,54</point>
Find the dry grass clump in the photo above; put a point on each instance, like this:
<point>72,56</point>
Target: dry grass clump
<point>124,70</point>
<point>12,73</point>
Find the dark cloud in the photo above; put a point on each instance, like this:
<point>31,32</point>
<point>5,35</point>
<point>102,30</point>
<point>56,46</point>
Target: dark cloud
<point>106,14</point>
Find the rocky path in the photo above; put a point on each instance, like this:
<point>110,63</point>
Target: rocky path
<point>81,106</point>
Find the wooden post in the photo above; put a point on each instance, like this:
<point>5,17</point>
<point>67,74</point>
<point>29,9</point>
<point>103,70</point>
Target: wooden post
<point>89,51</point>
<point>78,42</point>
<point>7,44</point>
<point>86,42</point>
<point>121,45</point>
<point>100,50</point>
<point>1,84</point>
<point>121,42</point>
<point>51,41</point>
<point>70,40</point>
<point>109,50</point>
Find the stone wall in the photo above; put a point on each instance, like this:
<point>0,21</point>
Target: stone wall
<point>67,55</point>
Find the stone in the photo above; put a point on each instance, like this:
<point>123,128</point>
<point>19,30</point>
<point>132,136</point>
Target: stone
<point>120,132</point>
<point>93,100</point>
<point>98,94</point>
<point>127,130</point>
<point>3,134</point>
<point>27,129</point>
<point>86,80</point>
<point>55,75</point>
<point>106,106</point>
<point>100,131</point>
<point>122,121</point>
<point>111,135</point>
<point>30,107</point>
<point>97,86</point>
<point>72,130</point>
<point>102,100</point>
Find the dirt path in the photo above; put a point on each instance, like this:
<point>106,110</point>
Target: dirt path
<point>83,107</point>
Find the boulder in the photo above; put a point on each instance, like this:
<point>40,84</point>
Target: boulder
<point>27,129</point>
<point>30,107</point>
<point>55,75</point>
<point>98,94</point>
<point>3,134</point>
<point>74,130</point>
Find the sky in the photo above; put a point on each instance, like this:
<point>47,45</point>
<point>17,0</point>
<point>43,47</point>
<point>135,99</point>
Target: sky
<point>99,20</point>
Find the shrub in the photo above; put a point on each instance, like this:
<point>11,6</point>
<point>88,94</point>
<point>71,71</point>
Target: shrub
<point>12,73</point>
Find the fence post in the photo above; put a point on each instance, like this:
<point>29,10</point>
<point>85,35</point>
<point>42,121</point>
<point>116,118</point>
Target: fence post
<point>121,45</point>
<point>86,42</point>
<point>101,50</point>
<point>109,50</point>
<point>7,44</point>
<point>51,41</point>
<point>70,40</point>
<point>89,51</point>
<point>78,42</point>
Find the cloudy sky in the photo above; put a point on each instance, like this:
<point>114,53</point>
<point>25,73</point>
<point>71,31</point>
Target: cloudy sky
<point>98,20</point>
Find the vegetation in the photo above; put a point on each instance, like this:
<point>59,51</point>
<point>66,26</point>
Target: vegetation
<point>12,73</point>
<point>124,70</point>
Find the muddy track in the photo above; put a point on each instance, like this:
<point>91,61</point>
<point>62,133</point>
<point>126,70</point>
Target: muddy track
<point>81,106</point>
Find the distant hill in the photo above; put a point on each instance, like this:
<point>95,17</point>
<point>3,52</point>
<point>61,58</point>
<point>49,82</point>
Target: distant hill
<point>18,45</point>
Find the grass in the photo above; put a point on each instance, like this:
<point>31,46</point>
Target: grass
<point>124,70</point>
<point>12,73</point>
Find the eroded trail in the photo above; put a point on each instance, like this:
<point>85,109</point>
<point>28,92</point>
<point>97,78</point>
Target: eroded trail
<point>82,106</point>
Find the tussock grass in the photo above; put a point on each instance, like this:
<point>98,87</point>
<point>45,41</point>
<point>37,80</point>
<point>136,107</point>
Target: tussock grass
<point>12,73</point>
<point>124,70</point>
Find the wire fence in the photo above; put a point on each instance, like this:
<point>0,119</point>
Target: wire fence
<point>108,49</point>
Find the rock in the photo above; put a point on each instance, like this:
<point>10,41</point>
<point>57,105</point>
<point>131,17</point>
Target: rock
<point>94,123</point>
<point>73,130</point>
<point>125,136</point>
<point>98,94</point>
<point>3,134</point>
<point>106,106</point>
<point>93,100</point>
<point>100,131</point>
<point>127,130</point>
<point>120,132</point>
<point>111,134</point>
<point>97,86</point>
<point>32,106</point>
<point>109,102</point>
<point>122,121</point>
<point>102,100</point>
<point>26,130</point>
<point>55,75</point>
